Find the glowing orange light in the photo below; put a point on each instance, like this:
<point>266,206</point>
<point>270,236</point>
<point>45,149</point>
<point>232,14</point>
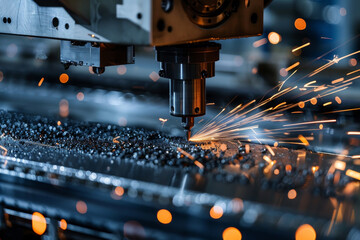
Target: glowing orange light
<point>80,96</point>
<point>254,70</point>
<point>305,232</point>
<point>164,216</point>
<point>247,148</point>
<point>313,101</point>
<point>81,207</point>
<point>41,82</point>
<point>338,100</point>
<point>352,62</point>
<point>216,212</point>
<point>274,38</point>
<point>300,24</point>
<point>276,171</point>
<point>223,147</point>
<point>301,104</point>
<point>292,194</point>
<point>353,174</point>
<point>276,144</point>
<point>64,78</point>
<point>302,46</point>
<point>38,223</point>
<point>121,70</point>
<point>303,140</point>
<point>119,191</point>
<point>63,224</point>
<point>231,233</point>
<point>321,126</point>
<point>340,165</point>
<point>314,169</point>
<point>288,168</point>
<point>353,133</point>
<point>199,164</point>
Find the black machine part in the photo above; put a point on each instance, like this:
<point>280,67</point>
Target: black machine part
<point>187,66</point>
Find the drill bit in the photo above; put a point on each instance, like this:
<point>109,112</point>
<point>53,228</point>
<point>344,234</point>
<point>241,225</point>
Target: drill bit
<point>188,123</point>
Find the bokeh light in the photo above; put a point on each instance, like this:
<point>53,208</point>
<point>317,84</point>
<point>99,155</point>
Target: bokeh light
<point>300,24</point>
<point>64,78</point>
<point>81,207</point>
<point>38,223</point>
<point>164,216</point>
<point>216,212</point>
<point>274,38</point>
<point>305,232</point>
<point>63,224</point>
<point>231,233</point>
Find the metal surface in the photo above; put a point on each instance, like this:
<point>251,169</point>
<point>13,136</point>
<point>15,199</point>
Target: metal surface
<point>57,166</point>
<point>136,22</point>
<point>95,54</point>
<point>187,97</point>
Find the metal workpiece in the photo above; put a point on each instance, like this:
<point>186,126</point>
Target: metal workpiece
<point>187,66</point>
<point>96,55</point>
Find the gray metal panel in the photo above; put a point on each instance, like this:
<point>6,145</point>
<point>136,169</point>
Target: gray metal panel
<point>30,19</point>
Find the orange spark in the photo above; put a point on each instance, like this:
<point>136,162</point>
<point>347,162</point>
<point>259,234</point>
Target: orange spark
<point>327,104</point>
<point>302,46</point>
<point>270,150</point>
<point>41,82</point>
<point>185,153</point>
<point>312,122</point>
<point>5,150</point>
<point>337,80</point>
<point>345,110</point>
<point>303,140</point>
<point>292,66</point>
<point>199,164</point>
<point>353,133</point>
<point>352,72</point>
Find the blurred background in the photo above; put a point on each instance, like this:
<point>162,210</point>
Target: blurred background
<point>33,80</point>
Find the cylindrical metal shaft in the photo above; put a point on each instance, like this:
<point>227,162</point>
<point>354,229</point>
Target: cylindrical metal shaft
<point>187,97</point>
